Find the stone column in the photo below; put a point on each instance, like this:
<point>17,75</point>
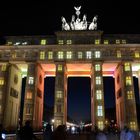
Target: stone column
<point>4,67</point>
<point>13,97</point>
<point>97,96</point>
<point>34,95</point>
<point>138,73</point>
<point>60,106</point>
<point>125,97</point>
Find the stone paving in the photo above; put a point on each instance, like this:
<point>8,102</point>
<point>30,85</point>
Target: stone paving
<point>80,137</point>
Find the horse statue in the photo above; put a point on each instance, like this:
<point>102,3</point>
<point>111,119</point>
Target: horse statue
<point>72,24</point>
<point>65,25</point>
<point>78,24</point>
<point>84,23</point>
<point>93,24</point>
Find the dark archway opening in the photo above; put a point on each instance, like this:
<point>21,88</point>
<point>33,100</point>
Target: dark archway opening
<point>79,100</point>
<point>49,88</point>
<point>136,90</point>
<point>22,99</point>
<point>109,99</point>
<point>109,96</point>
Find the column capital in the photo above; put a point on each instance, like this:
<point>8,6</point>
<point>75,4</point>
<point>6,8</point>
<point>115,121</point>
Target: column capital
<point>98,61</point>
<point>60,62</point>
<point>31,63</point>
<point>123,62</point>
<point>61,66</point>
<point>138,72</point>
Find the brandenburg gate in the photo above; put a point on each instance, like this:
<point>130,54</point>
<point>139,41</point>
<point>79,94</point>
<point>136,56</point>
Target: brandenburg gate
<point>78,50</point>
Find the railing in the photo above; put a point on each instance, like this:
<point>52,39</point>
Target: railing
<point>13,136</point>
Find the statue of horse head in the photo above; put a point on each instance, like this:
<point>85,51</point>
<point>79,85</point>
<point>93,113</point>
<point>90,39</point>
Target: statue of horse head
<point>63,19</point>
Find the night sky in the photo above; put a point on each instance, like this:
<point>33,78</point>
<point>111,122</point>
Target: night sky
<point>44,18</point>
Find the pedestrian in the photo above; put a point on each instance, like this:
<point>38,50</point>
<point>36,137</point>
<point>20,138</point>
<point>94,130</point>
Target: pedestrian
<point>92,135</point>
<point>27,132</point>
<point>79,130</point>
<point>2,133</point>
<point>101,135</point>
<point>123,133</point>
<point>47,135</point>
<point>19,132</point>
<point>129,135</point>
<point>59,133</point>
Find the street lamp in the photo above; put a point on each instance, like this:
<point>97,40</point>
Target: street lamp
<point>106,121</point>
<point>52,121</point>
<point>73,129</point>
<point>52,124</point>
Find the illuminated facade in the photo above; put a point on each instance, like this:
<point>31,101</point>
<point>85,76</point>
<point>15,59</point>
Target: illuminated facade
<point>68,53</point>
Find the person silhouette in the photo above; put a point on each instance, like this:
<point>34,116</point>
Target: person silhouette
<point>123,133</point>
<point>129,135</point>
<point>27,132</point>
<point>59,133</point>
<point>19,132</point>
<point>47,135</point>
<point>100,135</point>
<point>2,133</point>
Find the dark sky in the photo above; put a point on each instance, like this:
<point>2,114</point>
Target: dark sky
<point>44,17</point>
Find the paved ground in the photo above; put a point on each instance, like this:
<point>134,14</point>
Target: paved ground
<point>92,137</point>
<point>80,137</point>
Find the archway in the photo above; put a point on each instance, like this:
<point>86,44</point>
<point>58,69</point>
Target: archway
<point>79,100</point>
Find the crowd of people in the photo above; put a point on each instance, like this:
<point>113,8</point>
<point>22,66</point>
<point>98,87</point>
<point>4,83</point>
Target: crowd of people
<point>26,133</point>
<point>126,134</point>
<point>61,133</point>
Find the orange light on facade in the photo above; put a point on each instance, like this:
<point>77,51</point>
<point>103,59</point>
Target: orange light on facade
<point>29,95</point>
